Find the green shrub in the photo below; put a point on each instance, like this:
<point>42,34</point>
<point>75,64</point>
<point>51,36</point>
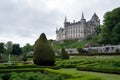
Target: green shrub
<point>50,71</point>
<point>6,76</point>
<point>43,52</point>
<point>117,51</point>
<point>81,50</point>
<point>98,69</point>
<point>30,76</point>
<point>24,58</point>
<point>69,65</point>
<point>64,54</point>
<point>1,58</point>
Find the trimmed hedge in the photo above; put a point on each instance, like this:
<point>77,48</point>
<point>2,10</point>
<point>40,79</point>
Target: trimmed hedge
<point>64,54</point>
<point>64,74</point>
<point>98,69</point>
<point>94,54</point>
<point>43,52</point>
<point>22,70</point>
<point>68,65</point>
<point>28,66</point>
<point>73,76</point>
<point>29,76</point>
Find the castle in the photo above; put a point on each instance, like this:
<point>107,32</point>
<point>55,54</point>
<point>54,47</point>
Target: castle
<point>78,30</point>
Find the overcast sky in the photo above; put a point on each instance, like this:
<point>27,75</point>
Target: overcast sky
<point>22,21</point>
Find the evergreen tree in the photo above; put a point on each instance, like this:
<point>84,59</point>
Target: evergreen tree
<point>16,50</point>
<point>64,54</point>
<point>1,57</point>
<point>2,49</point>
<point>24,58</point>
<point>43,52</point>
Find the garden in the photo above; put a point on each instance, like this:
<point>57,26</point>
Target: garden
<point>45,65</point>
<point>74,68</point>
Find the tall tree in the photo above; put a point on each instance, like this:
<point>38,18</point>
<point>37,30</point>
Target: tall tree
<point>116,34</point>
<point>27,48</point>
<point>9,46</point>
<point>2,49</point>
<point>111,19</point>
<point>16,49</point>
<point>97,30</point>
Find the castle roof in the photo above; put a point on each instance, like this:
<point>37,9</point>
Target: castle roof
<point>82,17</point>
<point>65,19</point>
<point>95,15</point>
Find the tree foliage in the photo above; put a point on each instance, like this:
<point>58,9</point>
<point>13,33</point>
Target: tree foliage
<point>24,57</point>
<point>27,48</point>
<point>2,49</point>
<point>43,52</point>
<point>9,46</point>
<point>116,34</point>
<point>109,34</point>
<point>64,54</point>
<point>97,29</point>
<point>16,49</point>
<point>81,50</point>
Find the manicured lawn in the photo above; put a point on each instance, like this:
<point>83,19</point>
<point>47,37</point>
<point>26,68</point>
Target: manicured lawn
<point>105,76</point>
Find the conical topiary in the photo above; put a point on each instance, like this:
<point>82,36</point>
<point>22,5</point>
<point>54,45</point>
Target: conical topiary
<point>64,54</point>
<point>43,52</point>
<point>24,57</point>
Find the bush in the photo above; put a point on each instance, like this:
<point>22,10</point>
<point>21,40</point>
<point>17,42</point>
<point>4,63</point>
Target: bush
<point>6,76</point>
<point>81,50</point>
<point>43,52</point>
<point>117,51</point>
<point>24,58</point>
<point>64,54</point>
<point>50,71</point>
<point>1,58</point>
<point>30,76</point>
<point>98,69</point>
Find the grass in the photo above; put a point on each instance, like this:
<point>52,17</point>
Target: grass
<point>88,74</point>
<point>70,44</point>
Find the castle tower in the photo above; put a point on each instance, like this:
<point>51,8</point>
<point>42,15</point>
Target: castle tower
<point>82,16</point>
<point>65,19</point>
<point>95,19</point>
<point>65,26</point>
<point>83,25</point>
<point>83,20</point>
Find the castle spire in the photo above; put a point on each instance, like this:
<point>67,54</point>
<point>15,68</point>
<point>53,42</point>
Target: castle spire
<point>65,19</point>
<point>95,15</point>
<point>82,17</point>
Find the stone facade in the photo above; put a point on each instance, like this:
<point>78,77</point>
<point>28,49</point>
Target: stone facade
<point>78,30</point>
